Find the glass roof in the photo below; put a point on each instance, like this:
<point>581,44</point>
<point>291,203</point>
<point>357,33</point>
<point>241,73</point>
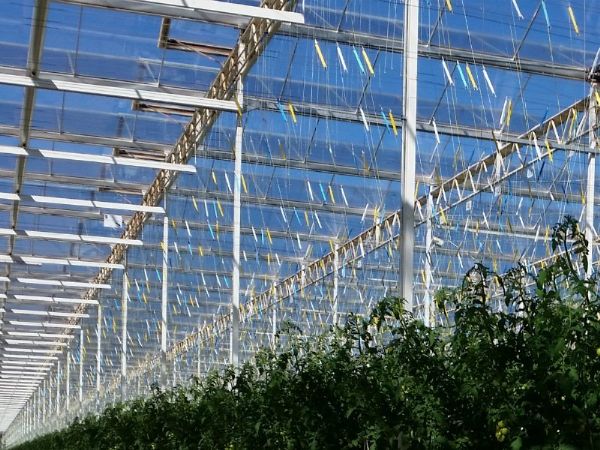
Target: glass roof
<point>321,152</point>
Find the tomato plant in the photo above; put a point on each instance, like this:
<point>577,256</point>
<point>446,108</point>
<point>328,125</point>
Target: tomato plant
<point>515,366</point>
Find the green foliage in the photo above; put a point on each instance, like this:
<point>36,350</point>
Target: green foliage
<point>517,366</point>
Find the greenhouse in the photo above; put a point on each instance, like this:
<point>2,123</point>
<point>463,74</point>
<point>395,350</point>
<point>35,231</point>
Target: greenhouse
<point>183,179</point>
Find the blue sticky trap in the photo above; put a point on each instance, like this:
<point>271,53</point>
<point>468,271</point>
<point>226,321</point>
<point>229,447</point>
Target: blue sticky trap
<point>323,192</point>
<point>262,235</point>
<point>386,121</point>
<point>190,249</point>
<point>158,275</point>
<point>211,230</point>
<point>226,282</point>
<point>215,208</point>
<point>360,64</point>
<point>545,11</point>
<point>462,75</point>
<point>297,216</point>
<point>545,116</point>
<point>282,111</point>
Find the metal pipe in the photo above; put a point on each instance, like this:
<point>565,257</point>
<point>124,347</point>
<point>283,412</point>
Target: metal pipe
<point>409,145</point>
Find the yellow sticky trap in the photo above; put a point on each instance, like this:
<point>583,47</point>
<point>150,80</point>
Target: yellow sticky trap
<point>368,62</point>
<point>449,5</point>
<point>331,245</point>
<point>471,77</point>
<point>200,251</point>
<point>220,208</point>
<point>214,177</point>
<point>549,151</point>
<point>195,204</point>
<point>510,228</point>
<point>173,224</point>
<point>269,258</point>
<point>293,112</point>
<point>306,219</point>
<point>509,113</point>
<point>331,195</point>
<point>320,54</point>
<point>573,20</point>
<point>393,122</point>
<point>443,217</point>
<point>282,151</point>
<point>217,229</point>
<point>162,245</point>
<point>597,97</point>
<point>269,236</point>
<point>244,184</point>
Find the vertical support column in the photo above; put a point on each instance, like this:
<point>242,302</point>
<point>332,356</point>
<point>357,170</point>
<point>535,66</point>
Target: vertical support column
<point>44,401</point>
<point>164,301</point>
<point>35,410</point>
<point>234,344</point>
<point>98,353</point>
<point>409,145</point>
<point>58,389</point>
<point>336,283</point>
<point>38,409</point>
<point>590,192</point>
<point>68,382</point>
<point>427,303</point>
<point>80,366</point>
<point>124,304</point>
<point>274,325</point>
<point>273,315</point>
<point>175,372</point>
<point>198,350</point>
<point>27,410</point>
<point>50,403</point>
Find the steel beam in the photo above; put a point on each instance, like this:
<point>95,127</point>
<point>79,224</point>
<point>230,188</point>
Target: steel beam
<point>84,238</point>
<point>234,342</point>
<point>57,82</point>
<point>409,150</point>
<point>98,353</point>
<point>590,194</point>
<point>68,382</point>
<point>428,310</point>
<point>164,303</point>
<point>124,311</point>
<point>93,158</point>
<point>226,13</point>
<point>81,350</point>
